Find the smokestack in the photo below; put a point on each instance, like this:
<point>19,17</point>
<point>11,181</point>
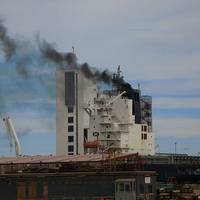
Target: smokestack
<point>121,85</point>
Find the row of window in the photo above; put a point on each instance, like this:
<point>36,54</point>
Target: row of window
<point>129,187</point>
<point>125,187</point>
<point>71,139</point>
<point>70,120</point>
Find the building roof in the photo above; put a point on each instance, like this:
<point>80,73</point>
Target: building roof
<point>60,158</point>
<point>50,159</point>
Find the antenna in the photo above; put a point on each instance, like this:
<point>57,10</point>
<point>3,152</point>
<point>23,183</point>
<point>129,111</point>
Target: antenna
<point>73,49</point>
<point>175,147</point>
<point>138,86</point>
<point>119,71</point>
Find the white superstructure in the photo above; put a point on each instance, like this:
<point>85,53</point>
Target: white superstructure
<point>112,118</point>
<point>90,120</point>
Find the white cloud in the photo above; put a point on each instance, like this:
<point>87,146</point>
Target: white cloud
<point>166,102</point>
<point>31,99</point>
<point>172,87</point>
<point>177,127</point>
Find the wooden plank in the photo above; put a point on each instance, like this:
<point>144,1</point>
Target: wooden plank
<point>32,190</point>
<point>21,191</point>
<point>45,190</point>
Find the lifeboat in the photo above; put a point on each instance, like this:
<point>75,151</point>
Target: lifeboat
<point>92,144</point>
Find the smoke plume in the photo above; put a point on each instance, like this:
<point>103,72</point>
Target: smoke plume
<point>49,52</point>
<point>21,67</point>
<point>8,44</point>
<point>46,54</point>
<point>95,74</point>
<point>66,60</point>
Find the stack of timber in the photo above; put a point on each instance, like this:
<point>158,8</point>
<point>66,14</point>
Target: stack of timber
<point>165,193</point>
<point>184,192</point>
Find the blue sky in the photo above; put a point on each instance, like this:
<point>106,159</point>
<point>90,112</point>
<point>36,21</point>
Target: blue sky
<point>156,43</point>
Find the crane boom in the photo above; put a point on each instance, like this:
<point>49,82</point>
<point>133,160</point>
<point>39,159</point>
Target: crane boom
<point>12,135</point>
<point>117,97</point>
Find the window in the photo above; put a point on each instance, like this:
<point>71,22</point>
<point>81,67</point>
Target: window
<point>127,187</point>
<point>70,109</point>
<point>70,119</point>
<point>133,186</point>
<point>148,106</point>
<point>141,188</point>
<point>148,115</point>
<point>150,190</point>
<point>136,97</point>
<point>70,138</point>
<point>145,136</point>
<point>70,154</point>
<point>121,187</point>
<point>70,128</point>
<point>85,134</point>
<point>142,136</point>
<point>70,148</point>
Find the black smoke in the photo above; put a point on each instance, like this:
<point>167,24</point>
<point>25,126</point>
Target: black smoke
<point>8,44</point>
<point>10,48</point>
<point>95,74</point>
<point>45,56</point>
<point>49,53</point>
<point>22,67</point>
<point>121,85</point>
<point>66,60</point>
